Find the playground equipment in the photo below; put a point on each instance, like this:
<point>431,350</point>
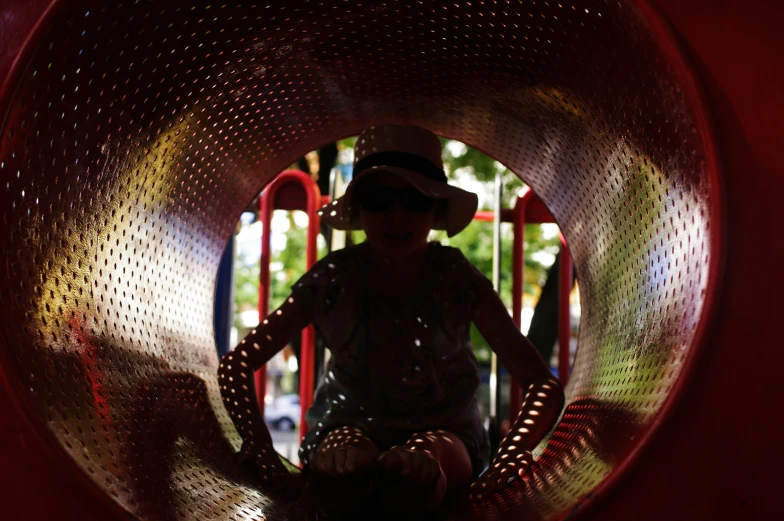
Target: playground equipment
<point>290,190</point>
<point>131,132</point>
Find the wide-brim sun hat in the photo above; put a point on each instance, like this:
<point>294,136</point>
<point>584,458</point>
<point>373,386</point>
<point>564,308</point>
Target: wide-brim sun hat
<point>414,154</point>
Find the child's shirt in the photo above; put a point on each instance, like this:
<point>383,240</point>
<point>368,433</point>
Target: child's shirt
<point>397,367</point>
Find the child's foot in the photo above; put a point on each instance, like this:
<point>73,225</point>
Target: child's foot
<point>345,451</point>
<point>417,479</point>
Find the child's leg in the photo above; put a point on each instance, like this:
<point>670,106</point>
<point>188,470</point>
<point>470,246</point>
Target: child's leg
<point>345,450</point>
<point>433,461</point>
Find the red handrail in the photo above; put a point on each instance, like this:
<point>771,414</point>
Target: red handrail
<point>518,278</point>
<point>535,211</point>
<point>529,209</point>
<point>284,193</point>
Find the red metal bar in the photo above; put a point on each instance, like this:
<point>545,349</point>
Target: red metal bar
<point>536,212</point>
<point>286,192</point>
<point>308,349</point>
<point>528,209</point>
<point>265,215</point>
<point>564,317</point>
<point>518,284</point>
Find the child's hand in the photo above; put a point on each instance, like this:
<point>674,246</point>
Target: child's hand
<point>266,464</point>
<point>499,474</point>
<point>346,450</point>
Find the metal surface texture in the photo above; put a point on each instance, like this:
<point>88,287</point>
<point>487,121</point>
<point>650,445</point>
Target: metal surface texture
<point>134,134</point>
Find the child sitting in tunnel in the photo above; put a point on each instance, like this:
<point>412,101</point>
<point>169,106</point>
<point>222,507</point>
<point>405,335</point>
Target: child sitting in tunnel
<point>399,395</point>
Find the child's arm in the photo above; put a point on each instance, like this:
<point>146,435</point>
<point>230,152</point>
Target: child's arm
<point>237,383</point>
<point>543,401</point>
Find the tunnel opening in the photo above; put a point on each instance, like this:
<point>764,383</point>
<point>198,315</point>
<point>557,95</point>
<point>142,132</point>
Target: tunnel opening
<point>534,291</point>
<point>135,134</point>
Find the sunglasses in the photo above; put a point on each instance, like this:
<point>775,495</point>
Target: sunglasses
<point>376,198</point>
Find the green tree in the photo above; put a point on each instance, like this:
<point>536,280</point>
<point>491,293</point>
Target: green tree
<point>292,262</point>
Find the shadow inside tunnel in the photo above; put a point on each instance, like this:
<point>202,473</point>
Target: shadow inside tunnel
<point>153,438</point>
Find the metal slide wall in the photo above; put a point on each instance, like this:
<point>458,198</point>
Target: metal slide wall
<point>133,134</point>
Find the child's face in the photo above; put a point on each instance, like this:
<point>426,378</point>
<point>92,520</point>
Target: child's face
<point>402,227</point>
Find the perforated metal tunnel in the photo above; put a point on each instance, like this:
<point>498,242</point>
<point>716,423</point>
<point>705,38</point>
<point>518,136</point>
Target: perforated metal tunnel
<point>135,133</point>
